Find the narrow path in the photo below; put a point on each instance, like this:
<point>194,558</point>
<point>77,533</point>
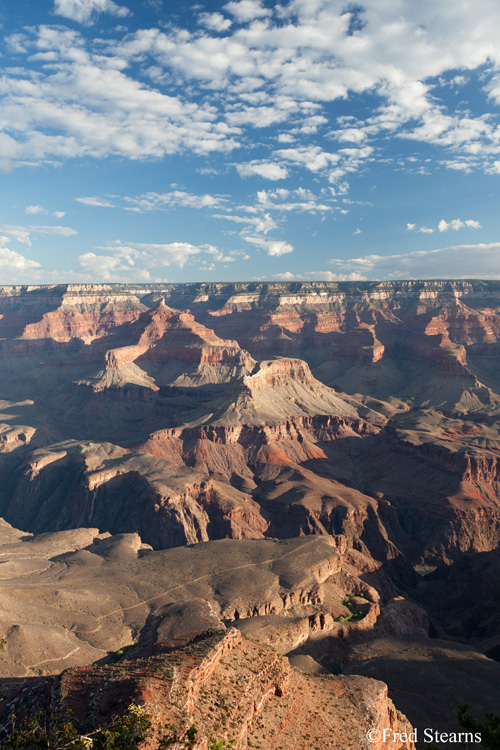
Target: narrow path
<point>101,618</point>
<point>200,578</point>
<point>47,661</point>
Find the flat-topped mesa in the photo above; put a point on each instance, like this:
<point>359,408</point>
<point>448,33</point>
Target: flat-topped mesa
<point>279,415</point>
<point>171,347</point>
<point>280,373</point>
<point>285,389</point>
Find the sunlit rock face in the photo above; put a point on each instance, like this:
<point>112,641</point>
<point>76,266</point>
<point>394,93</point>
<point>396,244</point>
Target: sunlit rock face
<point>203,411</point>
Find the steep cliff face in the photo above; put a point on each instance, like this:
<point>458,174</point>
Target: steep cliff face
<point>256,410</point>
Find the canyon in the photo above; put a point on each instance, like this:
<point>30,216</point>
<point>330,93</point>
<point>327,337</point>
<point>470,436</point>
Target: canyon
<point>314,467</point>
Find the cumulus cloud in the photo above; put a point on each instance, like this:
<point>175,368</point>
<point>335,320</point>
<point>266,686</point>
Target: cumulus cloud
<point>149,93</point>
<point>455,224</point>
<point>275,64</point>
<point>214,21</point>
<point>311,157</point>
<point>444,226</point>
<point>84,104</point>
<point>86,11</point>
<point>10,261</point>
<point>267,170</point>
<point>35,210</point>
<point>272,247</point>
<point>349,135</point>
<point>14,266</point>
<point>246,10</point>
<point>107,266</point>
<point>136,261</point>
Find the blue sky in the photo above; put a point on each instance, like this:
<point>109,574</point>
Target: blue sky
<point>309,139</point>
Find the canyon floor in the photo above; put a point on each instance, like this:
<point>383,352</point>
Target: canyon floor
<point>304,476</point>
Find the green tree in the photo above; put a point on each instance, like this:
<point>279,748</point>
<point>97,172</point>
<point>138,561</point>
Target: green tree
<point>126,732</point>
<point>489,730</point>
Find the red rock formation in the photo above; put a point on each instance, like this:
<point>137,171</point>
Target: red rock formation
<point>231,690</point>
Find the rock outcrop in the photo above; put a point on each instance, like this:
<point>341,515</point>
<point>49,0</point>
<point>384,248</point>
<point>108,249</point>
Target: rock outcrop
<point>229,689</point>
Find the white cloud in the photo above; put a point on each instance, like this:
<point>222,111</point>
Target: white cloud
<point>35,210</point>
<point>222,257</point>
<point>285,276</point>
<point>318,276</point>
<point>272,247</point>
<point>459,261</point>
<point>258,117</point>
<point>351,135</point>
<point>59,214</point>
<point>267,170</point>
<point>173,199</point>
<point>455,224</point>
<point>95,201</point>
<point>444,226</point>
<point>262,223</point>
<point>133,261</point>
<point>311,157</point>
<point>146,202</point>
<point>86,11</point>
<point>300,200</point>
<point>84,104</point>
<point>17,43</point>
<point>329,276</point>
<point>356,232</point>
<point>104,266</point>
<point>24,234</point>
<point>277,64</point>
<point>214,21</point>
<point>246,10</point>
<point>10,261</point>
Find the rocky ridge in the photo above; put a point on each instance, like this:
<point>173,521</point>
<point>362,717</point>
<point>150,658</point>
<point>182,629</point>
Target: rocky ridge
<point>229,689</point>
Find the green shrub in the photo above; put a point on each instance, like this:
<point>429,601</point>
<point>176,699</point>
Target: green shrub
<point>489,730</point>
<point>123,733</point>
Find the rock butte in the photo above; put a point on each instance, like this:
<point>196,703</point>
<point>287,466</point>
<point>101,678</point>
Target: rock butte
<point>353,425</point>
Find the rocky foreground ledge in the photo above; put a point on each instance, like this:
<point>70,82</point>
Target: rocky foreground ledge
<point>231,689</point>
